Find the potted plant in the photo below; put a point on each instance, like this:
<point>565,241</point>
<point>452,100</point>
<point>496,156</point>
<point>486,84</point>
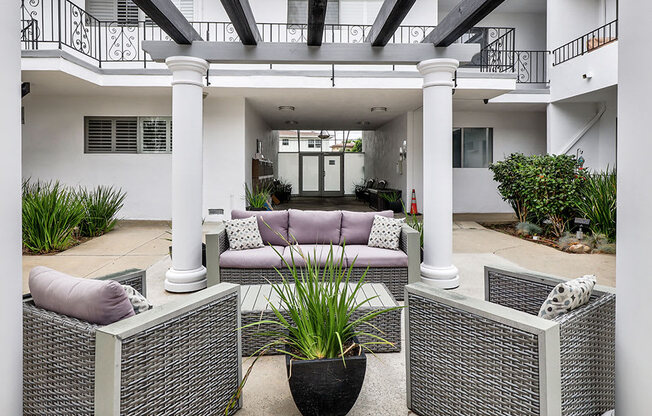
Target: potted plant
<point>257,198</point>
<point>315,330</point>
<point>391,200</point>
<point>359,190</point>
<point>282,190</point>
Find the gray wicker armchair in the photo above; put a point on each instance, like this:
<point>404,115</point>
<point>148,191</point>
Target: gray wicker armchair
<point>467,356</point>
<point>179,358</point>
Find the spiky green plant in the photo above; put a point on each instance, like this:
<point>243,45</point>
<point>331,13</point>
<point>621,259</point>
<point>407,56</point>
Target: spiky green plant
<point>51,213</point>
<point>390,196</point>
<point>413,221</point>
<point>597,202</point>
<point>101,205</point>
<point>257,197</point>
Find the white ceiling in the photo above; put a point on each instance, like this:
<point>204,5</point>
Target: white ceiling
<point>509,6</point>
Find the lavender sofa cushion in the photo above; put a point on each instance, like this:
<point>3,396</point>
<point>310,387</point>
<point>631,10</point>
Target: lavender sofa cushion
<point>314,227</point>
<point>356,226</point>
<point>99,302</point>
<point>318,253</point>
<point>374,257</point>
<point>254,258</point>
<point>276,220</point>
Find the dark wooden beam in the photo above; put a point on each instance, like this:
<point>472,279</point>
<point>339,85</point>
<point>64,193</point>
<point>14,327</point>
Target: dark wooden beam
<point>239,11</point>
<point>316,20</point>
<point>25,88</point>
<point>299,53</point>
<point>389,18</point>
<point>166,15</point>
<point>462,18</point>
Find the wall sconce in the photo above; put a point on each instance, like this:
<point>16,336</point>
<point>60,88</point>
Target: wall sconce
<point>402,151</point>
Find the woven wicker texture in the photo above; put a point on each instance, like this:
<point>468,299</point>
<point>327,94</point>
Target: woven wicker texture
<point>587,341</point>
<point>58,363</point>
<point>461,364</point>
<point>255,308</point>
<point>183,366</point>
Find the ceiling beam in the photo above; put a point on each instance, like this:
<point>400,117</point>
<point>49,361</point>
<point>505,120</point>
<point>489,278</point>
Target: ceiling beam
<point>166,15</point>
<point>390,16</point>
<point>242,17</point>
<point>300,53</point>
<point>316,20</point>
<point>462,18</point>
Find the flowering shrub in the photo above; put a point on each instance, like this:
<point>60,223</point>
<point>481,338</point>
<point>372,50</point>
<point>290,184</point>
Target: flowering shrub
<point>541,186</point>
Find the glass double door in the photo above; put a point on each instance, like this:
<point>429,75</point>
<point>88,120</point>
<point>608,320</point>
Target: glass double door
<point>322,174</point>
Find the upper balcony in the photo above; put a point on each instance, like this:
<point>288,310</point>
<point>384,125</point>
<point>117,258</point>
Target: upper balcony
<point>63,25</point>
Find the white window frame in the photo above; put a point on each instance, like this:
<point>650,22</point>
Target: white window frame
<point>139,138</point>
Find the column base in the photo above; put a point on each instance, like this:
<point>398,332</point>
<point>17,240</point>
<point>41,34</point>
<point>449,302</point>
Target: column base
<point>441,277</point>
<point>183,281</point>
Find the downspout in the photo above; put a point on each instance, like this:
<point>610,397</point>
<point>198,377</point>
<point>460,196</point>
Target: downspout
<point>584,130</point>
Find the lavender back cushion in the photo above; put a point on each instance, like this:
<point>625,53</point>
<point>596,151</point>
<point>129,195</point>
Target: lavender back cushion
<point>99,302</point>
<point>277,220</point>
<point>356,226</point>
<point>314,227</point>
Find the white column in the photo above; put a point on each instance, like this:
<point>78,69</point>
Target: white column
<point>187,273</point>
<point>634,229</point>
<point>11,311</point>
<point>437,267</point>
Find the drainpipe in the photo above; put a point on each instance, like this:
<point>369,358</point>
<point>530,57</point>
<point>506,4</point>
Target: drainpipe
<point>584,130</point>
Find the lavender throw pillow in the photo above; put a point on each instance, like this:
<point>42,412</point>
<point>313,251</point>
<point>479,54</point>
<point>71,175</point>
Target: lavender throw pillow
<point>99,302</point>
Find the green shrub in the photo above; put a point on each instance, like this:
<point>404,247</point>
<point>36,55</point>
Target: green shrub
<point>597,202</point>
<point>508,174</point>
<point>51,214</point>
<point>101,206</point>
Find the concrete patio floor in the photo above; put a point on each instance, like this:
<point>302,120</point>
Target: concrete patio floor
<point>144,244</point>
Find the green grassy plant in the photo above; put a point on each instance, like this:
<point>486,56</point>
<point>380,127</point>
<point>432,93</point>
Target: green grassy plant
<point>390,196</point>
<point>101,205</point>
<point>597,202</point>
<point>257,197</point>
<point>51,214</point>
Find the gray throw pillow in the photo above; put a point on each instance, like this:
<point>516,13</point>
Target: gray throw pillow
<point>567,296</point>
<point>243,234</point>
<point>385,232</point>
<point>138,301</point>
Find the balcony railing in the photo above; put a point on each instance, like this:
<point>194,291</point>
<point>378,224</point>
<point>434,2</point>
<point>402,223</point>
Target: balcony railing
<point>586,43</point>
<point>64,25</point>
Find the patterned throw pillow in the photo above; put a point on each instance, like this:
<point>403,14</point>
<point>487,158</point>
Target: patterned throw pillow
<point>243,234</point>
<point>567,296</point>
<point>138,301</point>
<point>385,232</point>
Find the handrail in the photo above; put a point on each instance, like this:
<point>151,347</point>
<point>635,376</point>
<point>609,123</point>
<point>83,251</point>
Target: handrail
<point>589,42</point>
<point>584,130</point>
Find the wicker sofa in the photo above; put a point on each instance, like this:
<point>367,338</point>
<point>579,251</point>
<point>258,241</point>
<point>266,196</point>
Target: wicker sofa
<point>179,358</point>
<point>497,357</point>
<point>312,232</point>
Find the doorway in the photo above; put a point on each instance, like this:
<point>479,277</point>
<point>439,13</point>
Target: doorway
<point>321,174</point>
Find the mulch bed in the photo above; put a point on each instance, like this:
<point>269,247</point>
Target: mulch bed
<point>510,229</point>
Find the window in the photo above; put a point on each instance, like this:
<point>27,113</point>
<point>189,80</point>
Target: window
<point>472,147</point>
<point>128,134</point>
<point>126,11</point>
<point>314,144</point>
<point>298,12</point>
<point>286,142</point>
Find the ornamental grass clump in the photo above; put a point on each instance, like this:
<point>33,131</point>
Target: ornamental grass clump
<point>51,215</point>
<point>101,205</point>
<point>597,202</point>
<point>257,197</point>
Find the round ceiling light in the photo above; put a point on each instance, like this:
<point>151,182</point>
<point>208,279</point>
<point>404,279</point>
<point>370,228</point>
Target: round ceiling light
<point>286,108</point>
<point>363,123</point>
<point>291,122</point>
<point>378,109</point>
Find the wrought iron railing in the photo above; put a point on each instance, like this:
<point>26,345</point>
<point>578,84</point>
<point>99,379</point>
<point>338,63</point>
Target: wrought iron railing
<point>586,43</point>
<point>531,67</point>
<point>498,56</point>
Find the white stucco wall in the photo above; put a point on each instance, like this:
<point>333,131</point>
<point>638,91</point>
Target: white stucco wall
<point>53,149</point>
<point>570,19</point>
<point>530,28</point>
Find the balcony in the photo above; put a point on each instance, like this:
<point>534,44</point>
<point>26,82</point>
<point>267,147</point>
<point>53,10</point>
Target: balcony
<point>61,24</point>
<point>586,43</point>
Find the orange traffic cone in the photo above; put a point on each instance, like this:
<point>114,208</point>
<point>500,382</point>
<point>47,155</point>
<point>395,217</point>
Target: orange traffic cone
<point>413,208</point>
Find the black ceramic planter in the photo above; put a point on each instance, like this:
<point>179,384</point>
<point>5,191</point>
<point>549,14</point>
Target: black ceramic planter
<point>326,387</point>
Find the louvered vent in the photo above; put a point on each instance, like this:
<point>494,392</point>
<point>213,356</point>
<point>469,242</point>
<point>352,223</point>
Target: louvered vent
<point>126,135</point>
<point>127,12</point>
<point>155,135</point>
<point>99,135</point>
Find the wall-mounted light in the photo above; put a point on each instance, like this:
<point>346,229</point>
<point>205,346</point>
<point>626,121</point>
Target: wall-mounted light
<point>588,75</point>
<point>403,151</point>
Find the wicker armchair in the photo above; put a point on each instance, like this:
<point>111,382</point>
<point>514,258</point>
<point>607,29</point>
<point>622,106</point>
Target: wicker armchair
<point>497,357</point>
<point>179,358</point>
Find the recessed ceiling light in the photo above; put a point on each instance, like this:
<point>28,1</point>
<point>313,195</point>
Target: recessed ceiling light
<point>291,122</point>
<point>363,123</point>
<point>379,109</point>
<point>286,108</point>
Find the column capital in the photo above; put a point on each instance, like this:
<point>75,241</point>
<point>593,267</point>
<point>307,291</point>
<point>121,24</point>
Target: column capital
<point>438,72</point>
<point>187,69</point>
